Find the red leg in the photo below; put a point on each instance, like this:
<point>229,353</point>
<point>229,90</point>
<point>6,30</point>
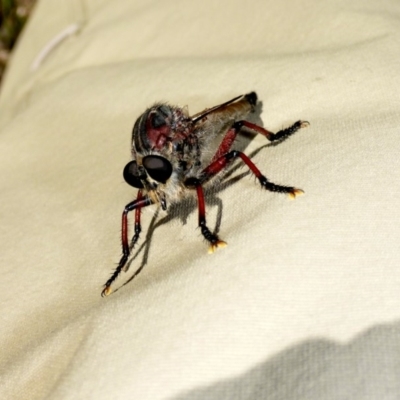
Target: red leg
<point>280,135</point>
<point>283,134</point>
<point>136,205</point>
<point>219,164</point>
<point>227,142</point>
<point>222,157</point>
<point>230,136</point>
<point>213,239</point>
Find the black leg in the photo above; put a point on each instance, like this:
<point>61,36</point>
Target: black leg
<point>136,205</point>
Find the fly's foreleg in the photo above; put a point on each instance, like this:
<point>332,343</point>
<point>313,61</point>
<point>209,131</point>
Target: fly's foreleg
<point>136,205</point>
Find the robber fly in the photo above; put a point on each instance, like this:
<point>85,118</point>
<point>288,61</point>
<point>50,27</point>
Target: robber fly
<point>169,151</point>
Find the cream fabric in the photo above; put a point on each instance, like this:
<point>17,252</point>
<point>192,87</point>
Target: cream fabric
<point>304,301</point>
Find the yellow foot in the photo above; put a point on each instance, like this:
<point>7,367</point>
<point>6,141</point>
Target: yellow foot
<point>106,291</point>
<point>294,193</point>
<point>215,246</point>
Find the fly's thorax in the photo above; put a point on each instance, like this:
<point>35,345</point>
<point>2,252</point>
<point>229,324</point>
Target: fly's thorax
<point>169,147</point>
<point>174,190</point>
<point>159,127</point>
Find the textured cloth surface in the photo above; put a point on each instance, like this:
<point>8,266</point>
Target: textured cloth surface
<point>304,301</point>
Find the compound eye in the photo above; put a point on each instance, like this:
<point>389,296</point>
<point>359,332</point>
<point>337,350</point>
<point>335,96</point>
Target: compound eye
<point>131,175</point>
<point>159,168</point>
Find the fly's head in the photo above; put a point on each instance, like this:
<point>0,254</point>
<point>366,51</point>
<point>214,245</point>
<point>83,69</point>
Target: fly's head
<point>159,139</point>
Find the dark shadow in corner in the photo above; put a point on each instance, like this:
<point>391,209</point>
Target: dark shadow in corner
<point>365,368</point>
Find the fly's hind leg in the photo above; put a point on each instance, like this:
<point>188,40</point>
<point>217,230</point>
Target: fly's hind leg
<point>224,156</point>
<point>221,163</point>
<point>232,133</point>
<point>273,137</point>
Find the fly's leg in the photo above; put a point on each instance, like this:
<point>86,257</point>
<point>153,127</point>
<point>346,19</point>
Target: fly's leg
<point>136,205</point>
<point>223,156</point>
<point>273,137</point>
<point>212,238</point>
<point>219,164</point>
<point>230,136</point>
<point>227,141</point>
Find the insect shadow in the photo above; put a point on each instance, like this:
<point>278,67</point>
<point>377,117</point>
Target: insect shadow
<point>184,208</point>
